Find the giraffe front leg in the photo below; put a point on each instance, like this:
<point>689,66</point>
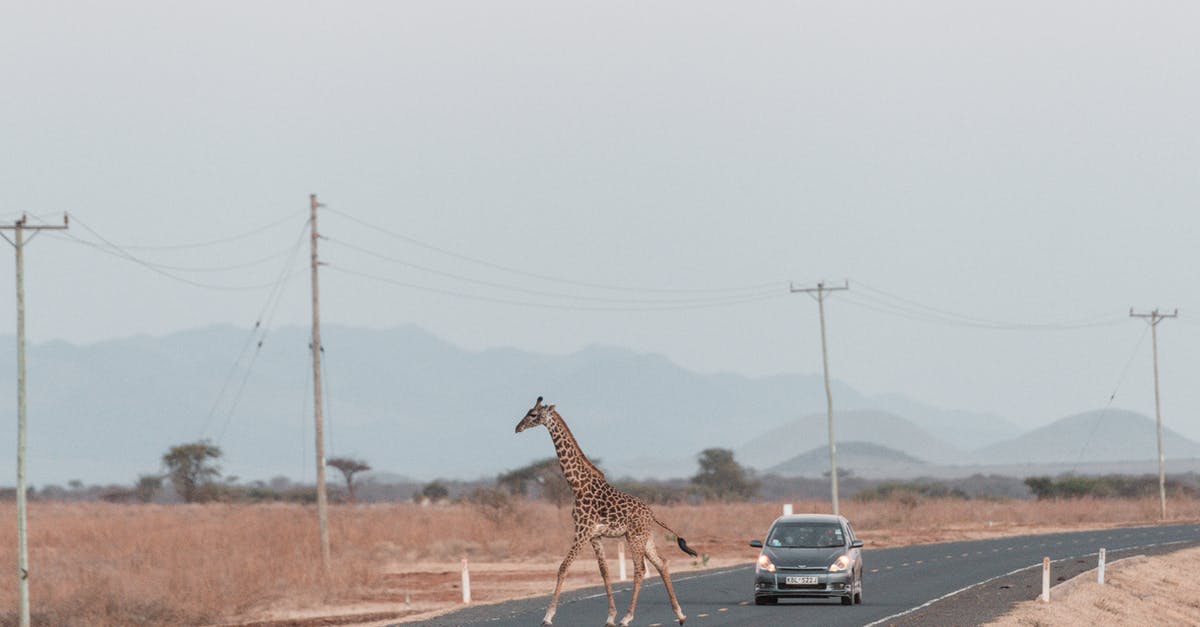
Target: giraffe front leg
<point>562,573</point>
<point>612,606</point>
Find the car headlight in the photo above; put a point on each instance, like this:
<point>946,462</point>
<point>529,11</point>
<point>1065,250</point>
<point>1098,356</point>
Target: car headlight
<point>765,563</point>
<point>840,564</point>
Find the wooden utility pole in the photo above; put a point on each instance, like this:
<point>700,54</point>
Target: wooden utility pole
<point>1153,318</point>
<point>18,242</point>
<point>322,500</point>
<point>820,291</point>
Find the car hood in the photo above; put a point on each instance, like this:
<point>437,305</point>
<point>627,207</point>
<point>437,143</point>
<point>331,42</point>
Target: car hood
<point>810,558</point>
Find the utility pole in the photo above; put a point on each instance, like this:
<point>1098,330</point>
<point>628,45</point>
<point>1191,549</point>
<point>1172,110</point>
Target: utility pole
<point>820,291</point>
<point>18,242</point>
<point>1153,318</point>
<point>322,500</point>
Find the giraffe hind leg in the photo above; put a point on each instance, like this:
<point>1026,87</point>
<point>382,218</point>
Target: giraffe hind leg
<point>660,564</point>
<point>637,552</point>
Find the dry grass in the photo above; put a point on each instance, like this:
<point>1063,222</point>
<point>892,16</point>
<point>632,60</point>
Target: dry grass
<point>108,564</point>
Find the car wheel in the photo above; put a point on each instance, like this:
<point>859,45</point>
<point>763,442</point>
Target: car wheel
<point>858,594</point>
<point>847,600</point>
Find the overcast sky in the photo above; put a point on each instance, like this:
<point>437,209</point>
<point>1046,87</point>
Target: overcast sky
<point>1025,163</point>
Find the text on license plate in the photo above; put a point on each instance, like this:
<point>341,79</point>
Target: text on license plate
<point>799,581</point>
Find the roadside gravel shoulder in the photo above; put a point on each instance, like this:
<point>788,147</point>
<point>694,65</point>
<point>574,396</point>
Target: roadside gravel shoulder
<point>1141,590</point>
<point>998,599</point>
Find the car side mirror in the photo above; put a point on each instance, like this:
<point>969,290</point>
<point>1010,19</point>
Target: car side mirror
<point>756,544</point>
<point>857,544</point>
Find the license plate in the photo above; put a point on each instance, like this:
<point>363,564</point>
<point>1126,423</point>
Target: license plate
<point>800,581</point>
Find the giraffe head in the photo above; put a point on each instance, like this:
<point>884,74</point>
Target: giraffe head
<point>535,416</point>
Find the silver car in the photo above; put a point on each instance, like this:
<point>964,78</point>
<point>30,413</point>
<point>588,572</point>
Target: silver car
<point>809,556</point>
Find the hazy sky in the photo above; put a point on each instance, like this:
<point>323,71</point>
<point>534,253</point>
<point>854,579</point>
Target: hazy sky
<point>1027,163</point>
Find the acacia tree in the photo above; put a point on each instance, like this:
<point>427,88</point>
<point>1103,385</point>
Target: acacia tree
<point>722,477</point>
<point>147,486</point>
<point>349,467</point>
<point>192,467</point>
<point>546,474</point>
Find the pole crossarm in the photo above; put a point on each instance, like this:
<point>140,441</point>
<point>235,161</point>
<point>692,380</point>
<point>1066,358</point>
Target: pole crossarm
<point>820,290</point>
<point>1154,315</point>
<point>23,225</point>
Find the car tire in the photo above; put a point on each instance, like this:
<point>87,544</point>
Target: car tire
<point>859,594</point>
<point>847,600</point>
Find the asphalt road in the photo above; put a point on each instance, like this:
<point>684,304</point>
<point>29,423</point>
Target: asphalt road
<point>900,585</point>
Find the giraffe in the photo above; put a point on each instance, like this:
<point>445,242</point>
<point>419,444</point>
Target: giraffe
<point>602,511</point>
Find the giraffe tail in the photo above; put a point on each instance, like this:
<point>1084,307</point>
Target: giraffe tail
<point>678,539</point>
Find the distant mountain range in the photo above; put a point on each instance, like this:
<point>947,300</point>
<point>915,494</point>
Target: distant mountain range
<point>414,405</point>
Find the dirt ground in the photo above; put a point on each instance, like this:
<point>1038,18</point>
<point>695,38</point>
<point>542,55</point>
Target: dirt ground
<point>425,590</point>
<point>1158,590</point>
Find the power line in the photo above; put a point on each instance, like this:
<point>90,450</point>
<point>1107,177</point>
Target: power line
<point>882,302</point>
<point>259,330</point>
<point>533,292</point>
<point>545,277</point>
<point>738,300</point>
<point>225,268</point>
<point>213,242</point>
<point>117,251</point>
<point>1124,371</point>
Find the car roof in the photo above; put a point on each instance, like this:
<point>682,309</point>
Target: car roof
<point>796,518</point>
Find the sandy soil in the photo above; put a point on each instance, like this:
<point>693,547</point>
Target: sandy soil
<point>1158,590</point>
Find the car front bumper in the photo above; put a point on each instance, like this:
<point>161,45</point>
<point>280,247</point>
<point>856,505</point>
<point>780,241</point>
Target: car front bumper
<point>773,585</point>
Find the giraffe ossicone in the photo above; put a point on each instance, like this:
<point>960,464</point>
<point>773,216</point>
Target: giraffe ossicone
<point>602,511</point>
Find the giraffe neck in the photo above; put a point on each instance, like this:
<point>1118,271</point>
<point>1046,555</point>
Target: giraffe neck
<point>576,467</point>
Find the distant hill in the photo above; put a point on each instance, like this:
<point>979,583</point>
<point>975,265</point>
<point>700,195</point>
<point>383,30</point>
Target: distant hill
<point>964,430</point>
<point>1094,436</point>
<point>864,459</point>
<point>777,445</point>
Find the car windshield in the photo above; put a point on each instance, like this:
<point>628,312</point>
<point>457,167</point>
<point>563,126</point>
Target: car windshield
<point>806,535</point>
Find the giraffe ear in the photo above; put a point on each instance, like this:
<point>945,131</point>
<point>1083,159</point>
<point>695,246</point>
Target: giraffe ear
<point>550,407</point>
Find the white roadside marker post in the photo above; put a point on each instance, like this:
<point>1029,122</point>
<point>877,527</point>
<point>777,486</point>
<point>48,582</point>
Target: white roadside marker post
<point>466,582</point>
<point>1045,580</point>
<point>787,509</point>
<point>621,559</point>
<point>1100,569</point>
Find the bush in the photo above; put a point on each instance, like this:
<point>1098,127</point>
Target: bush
<point>909,492</point>
<point>1107,486</point>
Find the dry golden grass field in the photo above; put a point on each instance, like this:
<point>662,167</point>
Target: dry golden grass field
<point>119,564</point>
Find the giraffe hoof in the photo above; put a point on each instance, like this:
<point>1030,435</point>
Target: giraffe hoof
<point>681,619</point>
